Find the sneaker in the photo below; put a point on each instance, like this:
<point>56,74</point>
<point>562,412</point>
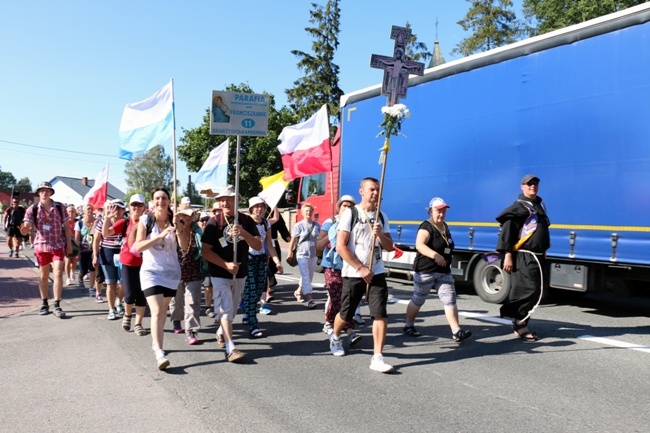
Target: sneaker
<point>58,312</point>
<point>212,314</point>
<point>111,315</point>
<point>208,310</point>
<point>11,253</point>
<point>162,362</point>
<point>235,356</point>
<point>68,282</point>
<point>461,335</point>
<point>336,345</point>
<point>120,309</point>
<point>17,255</point>
<point>99,299</point>
<point>191,338</point>
<point>80,283</point>
<point>91,292</point>
<point>410,330</point>
<point>358,319</point>
<point>354,338</point>
<point>177,327</point>
<point>327,328</point>
<point>264,309</point>
<point>45,310</point>
<point>378,364</point>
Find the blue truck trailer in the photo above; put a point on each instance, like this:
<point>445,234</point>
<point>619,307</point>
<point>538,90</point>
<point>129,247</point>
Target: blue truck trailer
<point>571,107</point>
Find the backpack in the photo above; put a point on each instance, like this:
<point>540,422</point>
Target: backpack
<point>355,217</point>
<point>332,255</point>
<point>151,220</point>
<point>58,205</point>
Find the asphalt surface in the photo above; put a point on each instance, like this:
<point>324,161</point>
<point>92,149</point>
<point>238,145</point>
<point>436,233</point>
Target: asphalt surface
<point>84,373</point>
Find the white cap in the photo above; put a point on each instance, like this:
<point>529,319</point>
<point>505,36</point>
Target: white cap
<point>137,198</point>
<point>186,200</point>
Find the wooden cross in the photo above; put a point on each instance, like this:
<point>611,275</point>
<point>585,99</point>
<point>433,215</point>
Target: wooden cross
<point>396,69</point>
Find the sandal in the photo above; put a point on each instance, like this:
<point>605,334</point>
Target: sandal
<point>311,304</point>
<point>256,333</point>
<point>126,323</point>
<point>298,296</point>
<point>139,330</point>
<point>524,335</point>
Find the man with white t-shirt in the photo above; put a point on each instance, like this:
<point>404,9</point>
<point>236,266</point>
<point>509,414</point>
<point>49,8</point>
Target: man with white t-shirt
<point>358,228</point>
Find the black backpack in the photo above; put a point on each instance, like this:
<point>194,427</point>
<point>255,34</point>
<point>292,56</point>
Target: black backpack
<point>58,205</point>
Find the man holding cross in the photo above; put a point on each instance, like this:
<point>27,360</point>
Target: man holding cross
<point>359,228</point>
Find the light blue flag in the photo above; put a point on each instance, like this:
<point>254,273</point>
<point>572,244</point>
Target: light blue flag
<point>214,172</point>
<point>147,123</point>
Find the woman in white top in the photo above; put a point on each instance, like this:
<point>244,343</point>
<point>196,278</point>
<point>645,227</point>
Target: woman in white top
<point>160,272</point>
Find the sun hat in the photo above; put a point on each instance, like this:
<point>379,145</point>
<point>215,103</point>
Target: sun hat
<point>438,203</point>
<point>204,215</point>
<point>254,201</point>
<point>226,191</point>
<point>346,197</point>
<point>186,200</point>
<point>44,185</point>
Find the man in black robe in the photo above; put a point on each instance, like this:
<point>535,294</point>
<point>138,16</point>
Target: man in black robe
<point>523,241</point>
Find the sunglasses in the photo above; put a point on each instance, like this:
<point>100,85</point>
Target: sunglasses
<point>535,183</point>
<point>137,204</point>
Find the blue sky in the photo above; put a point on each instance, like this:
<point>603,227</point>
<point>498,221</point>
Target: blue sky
<point>69,67</point>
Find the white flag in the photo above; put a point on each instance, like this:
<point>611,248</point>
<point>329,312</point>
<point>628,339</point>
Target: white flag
<point>214,172</point>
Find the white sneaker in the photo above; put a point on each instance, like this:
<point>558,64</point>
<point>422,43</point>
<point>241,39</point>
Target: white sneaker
<point>68,282</point>
<point>163,362</point>
<point>336,345</point>
<point>358,319</point>
<point>327,328</point>
<point>378,364</point>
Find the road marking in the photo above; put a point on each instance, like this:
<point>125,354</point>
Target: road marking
<point>615,343</point>
<point>485,317</point>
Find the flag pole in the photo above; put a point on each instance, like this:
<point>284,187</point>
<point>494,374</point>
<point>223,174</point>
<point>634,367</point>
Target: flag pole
<point>236,239</point>
<point>174,147</point>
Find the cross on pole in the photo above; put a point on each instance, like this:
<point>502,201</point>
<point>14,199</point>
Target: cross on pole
<point>396,69</point>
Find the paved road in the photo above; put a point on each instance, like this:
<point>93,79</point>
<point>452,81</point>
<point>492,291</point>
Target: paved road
<point>85,373</point>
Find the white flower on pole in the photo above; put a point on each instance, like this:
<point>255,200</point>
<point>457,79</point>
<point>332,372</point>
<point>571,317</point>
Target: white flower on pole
<point>393,118</point>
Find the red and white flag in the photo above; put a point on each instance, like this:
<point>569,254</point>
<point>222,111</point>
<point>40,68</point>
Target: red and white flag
<point>305,147</point>
<point>98,193</point>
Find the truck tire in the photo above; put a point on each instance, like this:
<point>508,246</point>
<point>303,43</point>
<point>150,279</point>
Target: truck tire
<point>491,283</point>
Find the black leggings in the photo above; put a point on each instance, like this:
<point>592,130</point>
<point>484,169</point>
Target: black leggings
<point>132,289</point>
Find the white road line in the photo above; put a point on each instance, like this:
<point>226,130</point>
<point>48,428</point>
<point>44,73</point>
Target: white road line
<point>484,317</point>
<point>615,343</point>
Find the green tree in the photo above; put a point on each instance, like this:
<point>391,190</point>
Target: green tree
<point>192,193</point>
<point>414,50</point>
<point>259,156</point>
<point>320,83</point>
<point>493,24</point>
<point>23,185</point>
<point>551,15</point>
<point>7,180</point>
<point>148,170</point>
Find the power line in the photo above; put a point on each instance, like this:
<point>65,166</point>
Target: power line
<point>67,158</point>
<point>57,150</point>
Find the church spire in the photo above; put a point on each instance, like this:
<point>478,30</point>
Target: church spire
<point>437,58</point>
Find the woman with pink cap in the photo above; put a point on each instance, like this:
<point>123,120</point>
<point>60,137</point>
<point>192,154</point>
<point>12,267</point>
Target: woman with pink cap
<point>432,268</point>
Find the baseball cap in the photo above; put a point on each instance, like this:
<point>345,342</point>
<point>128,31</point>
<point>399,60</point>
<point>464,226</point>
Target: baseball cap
<point>119,203</point>
<point>438,203</point>
<point>528,178</point>
<point>137,198</point>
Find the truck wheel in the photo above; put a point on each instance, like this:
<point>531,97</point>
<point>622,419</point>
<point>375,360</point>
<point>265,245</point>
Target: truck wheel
<point>491,283</point>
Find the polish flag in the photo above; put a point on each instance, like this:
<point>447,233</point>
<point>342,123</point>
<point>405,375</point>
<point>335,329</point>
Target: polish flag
<point>305,147</point>
<point>99,192</point>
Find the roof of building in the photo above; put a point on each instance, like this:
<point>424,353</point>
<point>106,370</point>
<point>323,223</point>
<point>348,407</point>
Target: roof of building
<point>78,186</point>
<point>437,58</point>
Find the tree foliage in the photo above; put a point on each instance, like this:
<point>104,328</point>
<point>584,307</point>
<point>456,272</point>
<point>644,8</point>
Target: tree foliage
<point>320,83</point>
<point>493,24</point>
<point>415,50</point>
<point>259,156</point>
<point>550,15</point>
<point>7,180</point>
<point>149,170</point>
<point>24,185</point>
